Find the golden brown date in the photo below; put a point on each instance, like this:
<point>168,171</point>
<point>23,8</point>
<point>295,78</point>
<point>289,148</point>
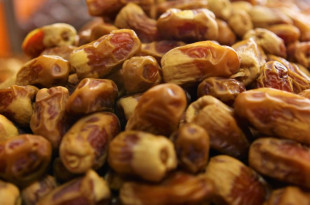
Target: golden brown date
<point>276,113</point>
<point>24,158</point>
<point>218,121</point>
<point>49,36</point>
<point>90,189</point>
<point>224,89</point>
<point>133,17</point>
<point>192,145</point>
<point>275,75</point>
<point>111,7</point>
<point>164,6</point>
<point>34,192</point>
<point>16,103</point>
<point>92,95</point>
<point>282,159</point>
<point>63,52</point>
<point>263,16</point>
<point>288,195</point>
<point>300,52</point>
<point>189,64</point>
<point>188,25</point>
<point>94,30</point>
<point>221,8</point>
<point>299,75</point>
<point>9,194</point>
<point>99,58</point>
<point>270,42</point>
<point>240,22</point>
<point>157,49</point>
<point>44,71</point>
<point>241,5</point>
<point>235,183</point>
<point>85,145</point>
<point>130,154</point>
<point>159,110</point>
<point>301,21</point>
<point>289,33</point>
<point>48,117</point>
<point>7,128</point>
<point>225,35</point>
<point>127,105</point>
<point>140,73</point>
<point>252,57</point>
<point>178,188</point>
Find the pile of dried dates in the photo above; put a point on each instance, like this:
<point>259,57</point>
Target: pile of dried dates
<point>160,102</point>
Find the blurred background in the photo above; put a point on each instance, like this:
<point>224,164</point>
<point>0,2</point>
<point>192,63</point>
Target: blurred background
<point>18,17</point>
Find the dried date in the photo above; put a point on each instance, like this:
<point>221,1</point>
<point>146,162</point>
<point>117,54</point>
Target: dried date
<point>85,145</point>
<point>189,64</point>
<point>48,117</point>
<point>24,158</point>
<point>276,113</point>
<point>101,57</point>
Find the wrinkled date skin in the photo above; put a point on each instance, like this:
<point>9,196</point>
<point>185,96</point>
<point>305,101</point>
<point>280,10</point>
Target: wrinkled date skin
<point>9,194</point>
<point>299,76</point>
<point>235,183</point>
<point>24,158</point>
<point>218,121</point>
<point>62,51</point>
<point>223,89</point>
<point>101,57</point>
<point>92,95</point>
<point>192,144</point>
<point>158,49</point>
<point>177,189</point>
<point>90,189</point>
<point>85,145</point>
<point>252,57</point>
<point>16,103</point>
<point>133,17</point>
<point>49,36</point>
<point>48,118</point>
<point>275,75</point>
<point>159,110</point>
<point>282,159</point>
<point>276,113</point>
<point>34,192</point>
<point>288,195</point>
<point>130,154</point>
<point>140,73</point>
<point>7,128</point>
<point>188,25</point>
<point>44,71</point>
<point>270,42</point>
<point>189,64</point>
